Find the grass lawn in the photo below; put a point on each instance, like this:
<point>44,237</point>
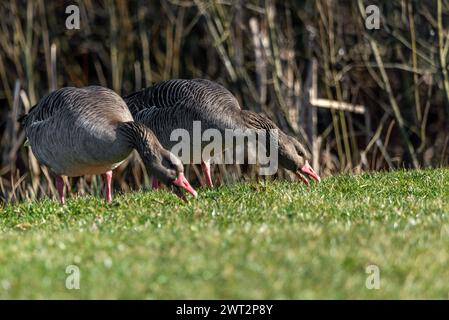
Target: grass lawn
<point>267,240</point>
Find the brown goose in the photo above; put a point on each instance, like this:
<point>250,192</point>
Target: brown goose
<point>79,131</point>
<point>177,103</point>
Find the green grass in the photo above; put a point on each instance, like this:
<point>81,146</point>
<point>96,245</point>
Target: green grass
<point>267,240</point>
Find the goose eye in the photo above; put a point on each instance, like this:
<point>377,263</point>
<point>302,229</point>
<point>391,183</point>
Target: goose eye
<point>173,166</point>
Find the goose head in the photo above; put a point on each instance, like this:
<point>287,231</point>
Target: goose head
<point>293,156</point>
<point>161,163</point>
<point>170,171</point>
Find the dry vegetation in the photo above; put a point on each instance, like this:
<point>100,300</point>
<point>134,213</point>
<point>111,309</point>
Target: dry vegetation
<point>263,51</point>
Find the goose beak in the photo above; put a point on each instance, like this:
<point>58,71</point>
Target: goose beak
<point>308,171</point>
<point>182,183</point>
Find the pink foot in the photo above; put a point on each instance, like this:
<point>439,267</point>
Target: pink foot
<point>60,188</point>
<point>108,179</point>
<point>205,165</point>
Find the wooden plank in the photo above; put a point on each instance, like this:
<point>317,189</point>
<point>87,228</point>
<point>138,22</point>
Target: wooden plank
<point>337,105</point>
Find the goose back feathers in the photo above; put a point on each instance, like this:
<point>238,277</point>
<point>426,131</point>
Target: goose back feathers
<point>175,104</point>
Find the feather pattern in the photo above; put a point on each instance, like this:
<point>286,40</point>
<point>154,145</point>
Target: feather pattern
<point>74,131</point>
<point>177,103</point>
<point>79,131</point>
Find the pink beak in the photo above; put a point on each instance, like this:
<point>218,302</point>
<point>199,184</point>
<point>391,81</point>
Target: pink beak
<point>308,170</point>
<point>182,182</point>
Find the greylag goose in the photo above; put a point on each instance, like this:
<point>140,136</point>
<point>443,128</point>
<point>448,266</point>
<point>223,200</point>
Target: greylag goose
<point>177,103</point>
<point>80,131</point>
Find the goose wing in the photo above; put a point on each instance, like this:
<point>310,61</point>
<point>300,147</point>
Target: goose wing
<point>199,94</point>
<point>46,107</point>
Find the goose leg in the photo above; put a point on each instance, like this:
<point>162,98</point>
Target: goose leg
<point>205,166</point>
<point>155,183</point>
<point>108,179</point>
<point>60,188</point>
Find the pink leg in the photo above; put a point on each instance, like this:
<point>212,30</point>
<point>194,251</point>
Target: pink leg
<point>108,179</point>
<point>155,183</point>
<point>205,165</point>
<point>60,188</point>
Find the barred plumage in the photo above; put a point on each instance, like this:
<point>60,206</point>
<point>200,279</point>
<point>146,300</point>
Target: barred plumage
<point>174,104</point>
<point>177,103</point>
<point>72,130</point>
<point>79,131</point>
